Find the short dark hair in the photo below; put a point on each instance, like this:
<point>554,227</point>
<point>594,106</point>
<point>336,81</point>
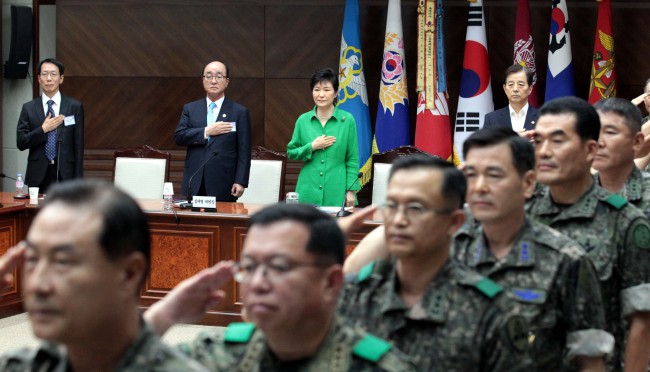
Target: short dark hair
<point>223,63</point>
<point>124,226</point>
<point>324,75</point>
<point>516,68</point>
<point>53,61</point>
<point>587,120</point>
<point>521,150</point>
<point>623,108</point>
<point>326,240</point>
<point>453,186</point>
<point>645,87</point>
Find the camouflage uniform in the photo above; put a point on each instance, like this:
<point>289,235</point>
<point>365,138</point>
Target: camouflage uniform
<point>243,348</point>
<point>146,353</point>
<point>462,322</point>
<point>555,284</point>
<point>616,236</point>
<point>636,189</point>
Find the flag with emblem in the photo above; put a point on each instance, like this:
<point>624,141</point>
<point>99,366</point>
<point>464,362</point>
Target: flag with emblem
<point>392,128</point>
<point>475,87</point>
<point>525,47</point>
<point>603,73</point>
<point>432,126</point>
<point>559,74</point>
<point>353,97</point>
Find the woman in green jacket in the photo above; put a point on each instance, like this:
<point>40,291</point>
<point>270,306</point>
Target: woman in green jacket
<point>325,139</point>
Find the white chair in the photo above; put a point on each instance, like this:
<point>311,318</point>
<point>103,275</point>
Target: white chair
<point>380,182</point>
<point>141,172</point>
<point>263,183</point>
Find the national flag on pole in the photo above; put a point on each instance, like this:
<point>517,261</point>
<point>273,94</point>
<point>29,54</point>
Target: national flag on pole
<point>603,73</point>
<point>475,87</point>
<point>392,128</point>
<point>525,47</point>
<point>432,131</point>
<point>559,75</point>
<point>353,96</point>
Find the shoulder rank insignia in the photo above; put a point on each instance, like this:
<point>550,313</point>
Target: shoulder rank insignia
<point>365,272</point>
<point>239,332</point>
<point>371,348</point>
<point>488,287</point>
<point>616,201</point>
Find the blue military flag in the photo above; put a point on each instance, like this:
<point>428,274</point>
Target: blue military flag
<point>392,128</point>
<point>353,97</point>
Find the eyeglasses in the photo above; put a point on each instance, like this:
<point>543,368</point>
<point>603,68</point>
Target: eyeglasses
<point>215,77</point>
<point>273,270</point>
<point>54,75</point>
<point>413,211</point>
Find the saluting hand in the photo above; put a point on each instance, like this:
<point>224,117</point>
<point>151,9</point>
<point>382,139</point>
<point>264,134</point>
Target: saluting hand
<point>9,262</point>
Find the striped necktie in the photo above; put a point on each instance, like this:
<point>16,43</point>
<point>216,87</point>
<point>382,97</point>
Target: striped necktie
<point>50,146</point>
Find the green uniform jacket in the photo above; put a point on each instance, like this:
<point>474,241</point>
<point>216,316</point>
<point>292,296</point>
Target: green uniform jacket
<point>463,321</point>
<point>146,353</point>
<point>554,283</point>
<point>327,173</point>
<point>243,348</point>
<point>616,237</point>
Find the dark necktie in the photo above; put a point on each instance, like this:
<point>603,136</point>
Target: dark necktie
<point>50,146</point>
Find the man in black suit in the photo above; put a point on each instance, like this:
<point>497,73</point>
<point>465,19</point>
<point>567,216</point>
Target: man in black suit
<point>52,128</point>
<point>519,115</point>
<point>215,130</point>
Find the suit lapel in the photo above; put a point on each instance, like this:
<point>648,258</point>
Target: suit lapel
<point>225,112</point>
<point>529,124</point>
<point>40,112</point>
<point>65,111</point>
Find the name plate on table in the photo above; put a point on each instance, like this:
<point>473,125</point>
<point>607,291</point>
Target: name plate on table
<point>204,204</point>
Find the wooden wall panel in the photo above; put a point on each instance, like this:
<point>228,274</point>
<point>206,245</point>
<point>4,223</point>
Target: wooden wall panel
<point>157,39</point>
<point>123,112</point>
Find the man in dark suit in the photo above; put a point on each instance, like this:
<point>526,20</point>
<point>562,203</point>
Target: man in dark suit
<point>215,130</point>
<point>519,115</point>
<point>52,128</point>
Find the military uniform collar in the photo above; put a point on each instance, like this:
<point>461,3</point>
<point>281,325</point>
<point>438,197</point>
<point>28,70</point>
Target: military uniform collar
<point>433,305</point>
<point>585,207</point>
<point>521,255</point>
<point>633,187</point>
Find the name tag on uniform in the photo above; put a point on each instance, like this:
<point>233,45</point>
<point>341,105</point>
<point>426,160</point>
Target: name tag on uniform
<point>69,120</point>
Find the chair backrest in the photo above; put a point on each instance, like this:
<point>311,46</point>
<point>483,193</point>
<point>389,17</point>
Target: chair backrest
<point>381,169</point>
<point>380,182</point>
<point>141,172</point>
<point>266,181</point>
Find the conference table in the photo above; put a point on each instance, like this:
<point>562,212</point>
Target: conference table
<point>182,243</point>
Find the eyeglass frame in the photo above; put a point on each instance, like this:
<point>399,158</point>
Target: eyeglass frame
<point>44,75</point>
<point>384,208</point>
<point>276,273</point>
<point>217,78</point>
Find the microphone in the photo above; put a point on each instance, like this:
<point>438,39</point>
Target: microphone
<point>2,175</point>
<point>59,141</point>
<point>189,182</point>
<point>343,212</point>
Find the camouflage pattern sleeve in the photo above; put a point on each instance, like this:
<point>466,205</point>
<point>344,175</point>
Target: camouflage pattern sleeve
<point>634,262</point>
<point>583,308</point>
<point>208,350</point>
<point>507,347</point>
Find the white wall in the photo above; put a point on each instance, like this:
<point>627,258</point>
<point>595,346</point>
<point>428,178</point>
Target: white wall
<point>15,92</point>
